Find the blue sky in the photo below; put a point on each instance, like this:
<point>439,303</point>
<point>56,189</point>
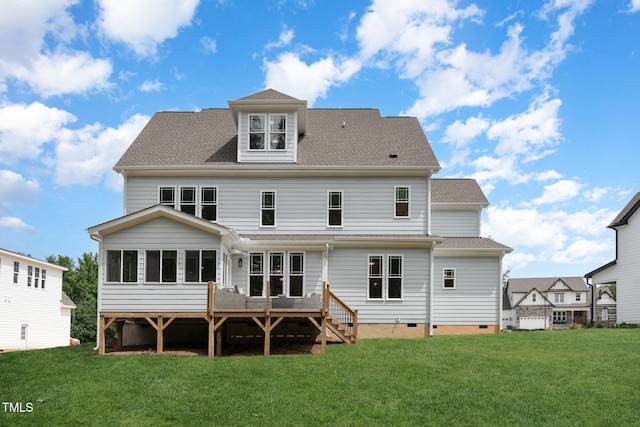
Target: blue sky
<point>536,100</point>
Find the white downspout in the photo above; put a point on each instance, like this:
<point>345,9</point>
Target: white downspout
<point>99,302</point>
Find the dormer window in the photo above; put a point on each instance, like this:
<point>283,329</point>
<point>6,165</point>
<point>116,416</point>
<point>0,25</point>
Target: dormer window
<point>267,131</point>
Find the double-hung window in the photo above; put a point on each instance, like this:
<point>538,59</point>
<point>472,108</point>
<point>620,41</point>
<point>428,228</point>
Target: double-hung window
<point>44,277</point>
<point>199,266</point>
<point>209,203</point>
<point>268,209</point>
<point>168,196</point>
<point>29,275</point>
<point>578,297</point>
<point>256,274</point>
<point>401,202</point>
<point>188,200</point>
<point>334,209</point>
<point>36,279</point>
<point>267,131</point>
<point>162,266</point>
<point>385,283</point>
<point>449,278</point>
<point>394,279</point>
<point>558,298</point>
<point>16,271</point>
<point>122,266</point>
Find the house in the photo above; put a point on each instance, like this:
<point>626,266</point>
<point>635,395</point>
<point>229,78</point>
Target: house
<point>296,211</point>
<point>546,303</point>
<point>35,312</point>
<point>605,307</point>
<point>624,271</point>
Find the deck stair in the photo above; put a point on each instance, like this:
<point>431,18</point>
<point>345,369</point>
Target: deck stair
<point>341,319</point>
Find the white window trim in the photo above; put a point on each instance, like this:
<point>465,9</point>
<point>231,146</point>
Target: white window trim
<point>267,131</point>
<point>178,253</point>
<point>275,208</point>
<point>385,276</point>
<point>558,298</point>
<point>396,201</point>
<point>201,266</point>
<point>106,273</point>
<point>455,278</point>
<point>177,196</point>
<point>263,273</point>
<point>289,274</point>
<point>341,208</point>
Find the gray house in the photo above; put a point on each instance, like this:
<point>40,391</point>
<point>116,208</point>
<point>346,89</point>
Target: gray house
<point>321,218</point>
<point>624,271</point>
<point>546,303</point>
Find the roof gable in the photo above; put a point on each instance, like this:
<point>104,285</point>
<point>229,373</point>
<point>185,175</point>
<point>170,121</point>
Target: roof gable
<point>267,94</point>
<point>623,217</point>
<point>153,212</point>
<point>527,299</point>
<point>545,284</point>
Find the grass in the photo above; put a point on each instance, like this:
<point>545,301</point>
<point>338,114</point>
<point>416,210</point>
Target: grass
<point>559,378</point>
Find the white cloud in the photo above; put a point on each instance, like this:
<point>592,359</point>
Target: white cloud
<point>14,188</point>
<point>62,73</point>
<point>286,35</point>
<point>34,39</point>
<point>547,175</point>
<point>16,224</point>
<point>209,45</point>
<point>151,86</point>
<point>559,192</point>
<point>289,74</point>
<point>596,194</point>
<point>85,156</point>
<point>634,6</point>
<point>144,24</point>
<point>25,128</point>
<point>583,252</point>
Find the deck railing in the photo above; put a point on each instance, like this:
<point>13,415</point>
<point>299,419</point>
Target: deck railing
<point>341,313</point>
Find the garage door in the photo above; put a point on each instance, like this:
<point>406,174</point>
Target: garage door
<point>532,323</point>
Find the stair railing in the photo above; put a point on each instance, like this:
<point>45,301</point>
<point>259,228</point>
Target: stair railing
<point>340,312</point>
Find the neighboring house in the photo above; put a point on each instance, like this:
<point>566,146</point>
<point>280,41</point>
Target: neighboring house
<point>270,194</point>
<point>605,307</point>
<point>546,303</point>
<point>624,271</point>
<point>34,312</point>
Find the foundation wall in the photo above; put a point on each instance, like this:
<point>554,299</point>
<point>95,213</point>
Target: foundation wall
<point>398,330</point>
<point>465,330</point>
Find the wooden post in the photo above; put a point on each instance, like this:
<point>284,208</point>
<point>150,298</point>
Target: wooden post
<point>355,326</point>
<point>103,341</point>
<point>323,333</point>
<point>119,337</point>
<point>267,335</point>
<point>160,333</point>
<point>211,349</point>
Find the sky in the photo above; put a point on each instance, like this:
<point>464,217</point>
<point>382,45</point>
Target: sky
<point>538,101</point>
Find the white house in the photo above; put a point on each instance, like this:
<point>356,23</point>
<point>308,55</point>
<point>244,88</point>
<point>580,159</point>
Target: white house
<point>34,312</point>
<point>276,199</point>
<point>624,271</point>
<point>546,303</point>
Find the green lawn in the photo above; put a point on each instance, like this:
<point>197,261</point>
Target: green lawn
<point>564,378</point>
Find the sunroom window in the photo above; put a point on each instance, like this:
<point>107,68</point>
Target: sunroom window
<point>162,266</point>
<point>200,266</point>
<point>122,266</point>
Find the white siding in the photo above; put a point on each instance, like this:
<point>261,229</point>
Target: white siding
<point>271,156</point>
<point>628,271</point>
<point>475,299</point>
<point>159,233</point>
<point>301,204</point>
<point>48,324</point>
<point>455,223</point>
<point>348,276</point>
<point>154,297</point>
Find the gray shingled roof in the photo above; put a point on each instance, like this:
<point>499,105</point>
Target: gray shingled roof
<point>457,190</point>
<point>66,301</point>
<point>268,94</point>
<point>209,138</point>
<point>624,215</point>
<point>471,243</point>
<point>543,284</point>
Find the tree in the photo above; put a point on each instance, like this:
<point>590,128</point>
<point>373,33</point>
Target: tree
<point>80,283</point>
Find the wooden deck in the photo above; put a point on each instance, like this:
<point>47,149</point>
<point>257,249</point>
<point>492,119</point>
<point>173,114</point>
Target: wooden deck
<point>329,315</point>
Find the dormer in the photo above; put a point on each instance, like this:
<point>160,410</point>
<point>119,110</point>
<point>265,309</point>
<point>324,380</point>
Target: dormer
<point>269,124</point>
